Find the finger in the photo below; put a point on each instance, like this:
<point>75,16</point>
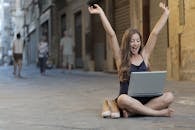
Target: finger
<point>90,8</point>
<point>96,5</point>
<point>164,5</point>
<point>161,4</point>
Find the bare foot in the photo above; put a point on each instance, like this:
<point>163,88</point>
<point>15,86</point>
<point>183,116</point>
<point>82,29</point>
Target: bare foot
<point>125,114</point>
<point>14,73</point>
<point>19,76</point>
<point>167,112</point>
<point>170,112</point>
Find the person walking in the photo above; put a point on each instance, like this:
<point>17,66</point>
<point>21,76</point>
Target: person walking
<point>133,56</point>
<point>43,54</point>
<point>66,46</point>
<point>17,49</point>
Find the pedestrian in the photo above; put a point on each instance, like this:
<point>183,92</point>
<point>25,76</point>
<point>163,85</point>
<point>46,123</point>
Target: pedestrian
<point>17,49</point>
<point>67,46</point>
<point>131,57</point>
<point>43,54</point>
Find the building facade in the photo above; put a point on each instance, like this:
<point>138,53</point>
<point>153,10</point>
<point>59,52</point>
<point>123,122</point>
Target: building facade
<point>174,51</point>
<point>10,23</point>
<point>181,61</point>
<point>37,22</point>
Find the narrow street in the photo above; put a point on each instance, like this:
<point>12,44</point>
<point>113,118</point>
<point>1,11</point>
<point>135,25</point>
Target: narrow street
<point>72,101</point>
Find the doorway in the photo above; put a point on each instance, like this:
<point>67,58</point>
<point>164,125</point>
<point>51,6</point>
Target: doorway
<point>78,40</point>
<point>99,41</point>
<point>146,20</point>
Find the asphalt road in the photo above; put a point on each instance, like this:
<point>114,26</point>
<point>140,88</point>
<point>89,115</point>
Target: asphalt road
<point>72,101</point>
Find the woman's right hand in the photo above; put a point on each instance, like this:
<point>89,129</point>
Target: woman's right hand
<point>96,10</point>
<point>109,30</point>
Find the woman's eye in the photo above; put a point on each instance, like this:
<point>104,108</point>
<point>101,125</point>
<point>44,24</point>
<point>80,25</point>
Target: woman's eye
<point>135,40</point>
<point>132,41</point>
<point>138,40</point>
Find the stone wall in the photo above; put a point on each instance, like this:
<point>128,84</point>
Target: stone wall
<point>182,36</point>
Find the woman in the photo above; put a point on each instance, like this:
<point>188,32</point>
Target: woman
<point>43,54</point>
<point>133,56</point>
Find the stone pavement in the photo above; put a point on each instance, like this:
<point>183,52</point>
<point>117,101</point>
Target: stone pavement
<point>72,101</point>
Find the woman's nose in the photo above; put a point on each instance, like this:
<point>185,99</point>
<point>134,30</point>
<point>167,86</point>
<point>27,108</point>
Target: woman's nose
<point>134,43</point>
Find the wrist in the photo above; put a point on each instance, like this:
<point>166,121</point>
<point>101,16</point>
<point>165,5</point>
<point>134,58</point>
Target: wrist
<point>167,12</point>
<point>101,12</point>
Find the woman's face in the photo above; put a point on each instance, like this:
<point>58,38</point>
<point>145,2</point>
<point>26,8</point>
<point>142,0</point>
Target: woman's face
<point>135,43</point>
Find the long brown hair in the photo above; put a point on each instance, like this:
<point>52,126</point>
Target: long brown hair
<point>124,70</point>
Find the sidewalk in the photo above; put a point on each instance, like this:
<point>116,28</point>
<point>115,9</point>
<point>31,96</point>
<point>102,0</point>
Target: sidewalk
<point>72,101</point>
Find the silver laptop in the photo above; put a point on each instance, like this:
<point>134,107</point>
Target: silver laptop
<point>147,83</point>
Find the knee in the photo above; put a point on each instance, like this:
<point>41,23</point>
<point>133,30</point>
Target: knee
<point>122,101</point>
<point>169,97</point>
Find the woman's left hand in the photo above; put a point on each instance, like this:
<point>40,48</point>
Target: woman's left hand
<point>164,7</point>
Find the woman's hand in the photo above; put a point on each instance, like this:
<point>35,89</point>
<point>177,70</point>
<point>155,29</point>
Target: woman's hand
<point>164,7</point>
<point>96,10</point>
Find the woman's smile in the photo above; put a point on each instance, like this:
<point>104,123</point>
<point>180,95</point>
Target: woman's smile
<point>134,49</point>
<point>135,43</point>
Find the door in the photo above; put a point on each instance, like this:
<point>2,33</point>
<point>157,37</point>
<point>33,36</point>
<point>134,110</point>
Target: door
<point>146,20</point>
<point>32,49</point>
<point>78,40</point>
<point>98,40</point>
<point>63,28</point>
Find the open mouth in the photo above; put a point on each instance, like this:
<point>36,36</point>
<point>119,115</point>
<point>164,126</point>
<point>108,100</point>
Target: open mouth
<point>134,48</point>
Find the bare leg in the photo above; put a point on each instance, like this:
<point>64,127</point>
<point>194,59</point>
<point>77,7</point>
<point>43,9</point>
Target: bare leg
<point>135,107</point>
<point>161,102</point>
<point>69,67</point>
<point>15,67</point>
<point>19,68</point>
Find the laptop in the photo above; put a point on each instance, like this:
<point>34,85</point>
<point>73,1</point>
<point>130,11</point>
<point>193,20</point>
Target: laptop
<point>147,83</point>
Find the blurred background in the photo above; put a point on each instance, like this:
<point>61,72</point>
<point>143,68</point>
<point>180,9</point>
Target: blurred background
<point>174,52</point>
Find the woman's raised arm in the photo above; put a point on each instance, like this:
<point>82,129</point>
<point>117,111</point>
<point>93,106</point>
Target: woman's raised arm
<point>109,31</point>
<point>147,50</point>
